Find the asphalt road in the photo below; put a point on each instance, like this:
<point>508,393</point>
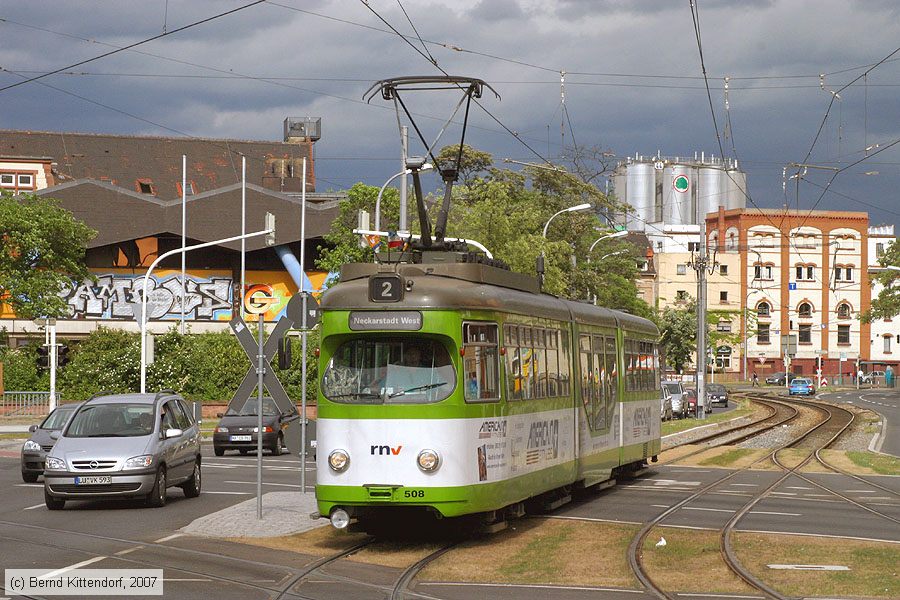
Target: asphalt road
<point>794,507</point>
<point>124,534</point>
<point>885,402</point>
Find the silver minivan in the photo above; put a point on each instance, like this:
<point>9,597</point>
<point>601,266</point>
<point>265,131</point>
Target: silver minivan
<point>125,445</point>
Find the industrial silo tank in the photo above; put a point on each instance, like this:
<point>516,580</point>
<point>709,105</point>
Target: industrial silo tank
<point>736,184</point>
<point>710,190</point>
<point>639,194</point>
<point>679,205</point>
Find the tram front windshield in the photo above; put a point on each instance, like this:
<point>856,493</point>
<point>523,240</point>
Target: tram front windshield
<point>389,370</point>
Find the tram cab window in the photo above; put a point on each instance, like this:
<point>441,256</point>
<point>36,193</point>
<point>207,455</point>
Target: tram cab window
<point>481,367</point>
<point>389,370</point>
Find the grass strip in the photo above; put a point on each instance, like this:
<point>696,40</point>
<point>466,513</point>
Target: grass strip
<point>873,566</point>
<point>882,464</point>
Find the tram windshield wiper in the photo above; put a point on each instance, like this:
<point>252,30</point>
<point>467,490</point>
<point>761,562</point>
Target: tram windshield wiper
<point>418,388</point>
<point>358,396</point>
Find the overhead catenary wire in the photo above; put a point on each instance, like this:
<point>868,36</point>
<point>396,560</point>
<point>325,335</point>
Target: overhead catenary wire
<point>134,45</point>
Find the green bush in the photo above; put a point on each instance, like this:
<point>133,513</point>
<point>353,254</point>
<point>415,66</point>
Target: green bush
<point>204,367</point>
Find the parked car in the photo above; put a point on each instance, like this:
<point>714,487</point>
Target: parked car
<point>778,378</point>
<point>676,390</point>
<point>716,395</point>
<point>238,426</point>
<point>801,385</point>
<point>125,445</point>
<point>665,405</point>
<point>35,449</point>
<point>690,397</point>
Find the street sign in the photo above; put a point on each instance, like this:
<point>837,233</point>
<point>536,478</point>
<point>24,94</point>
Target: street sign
<point>792,286</point>
<point>681,184</point>
<point>303,310</point>
<point>259,298</point>
<point>762,358</point>
<point>659,165</point>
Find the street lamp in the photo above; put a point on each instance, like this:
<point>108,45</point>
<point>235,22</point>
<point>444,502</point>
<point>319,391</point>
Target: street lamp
<point>540,260</point>
<point>617,234</point>
<point>412,164</point>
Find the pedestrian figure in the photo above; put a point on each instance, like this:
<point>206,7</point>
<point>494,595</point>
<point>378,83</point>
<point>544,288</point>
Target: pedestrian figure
<point>755,381</point>
<point>889,377</point>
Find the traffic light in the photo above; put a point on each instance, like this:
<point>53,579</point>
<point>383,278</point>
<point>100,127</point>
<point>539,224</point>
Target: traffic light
<point>62,355</point>
<point>43,357</point>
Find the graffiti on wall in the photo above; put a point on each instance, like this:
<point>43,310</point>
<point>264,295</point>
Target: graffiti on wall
<point>110,297</point>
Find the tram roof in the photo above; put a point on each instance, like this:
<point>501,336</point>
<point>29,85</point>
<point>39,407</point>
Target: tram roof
<point>474,287</point>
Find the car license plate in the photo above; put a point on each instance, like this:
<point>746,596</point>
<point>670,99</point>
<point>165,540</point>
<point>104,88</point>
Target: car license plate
<point>240,438</point>
<point>94,480</point>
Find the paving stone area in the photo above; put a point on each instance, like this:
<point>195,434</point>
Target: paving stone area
<point>284,513</point>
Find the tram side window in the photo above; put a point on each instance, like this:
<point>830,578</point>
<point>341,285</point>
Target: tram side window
<point>612,368</point>
<point>629,366</point>
<point>564,386</point>
<point>526,354</point>
<point>480,362</point>
<point>540,363</point>
<point>587,373</point>
<point>513,362</point>
<point>553,363</point>
<point>601,376</point>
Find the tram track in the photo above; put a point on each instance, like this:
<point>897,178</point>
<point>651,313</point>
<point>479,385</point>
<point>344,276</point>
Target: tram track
<point>823,434</point>
<point>278,593</point>
<point>779,414</point>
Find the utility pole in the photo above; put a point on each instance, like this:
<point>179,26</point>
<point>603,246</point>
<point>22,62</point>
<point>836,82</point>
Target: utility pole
<point>699,265</point>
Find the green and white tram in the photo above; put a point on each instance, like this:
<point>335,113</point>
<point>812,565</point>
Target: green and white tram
<point>458,388</point>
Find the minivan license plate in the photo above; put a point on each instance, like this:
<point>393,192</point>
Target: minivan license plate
<point>240,438</point>
<point>95,480</point>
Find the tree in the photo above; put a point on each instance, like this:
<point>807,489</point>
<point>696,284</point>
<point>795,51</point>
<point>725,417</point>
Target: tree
<point>344,245</point>
<point>471,163</point>
<point>43,251</point>
<point>887,304</point>
<point>678,337</point>
<point>506,211</point>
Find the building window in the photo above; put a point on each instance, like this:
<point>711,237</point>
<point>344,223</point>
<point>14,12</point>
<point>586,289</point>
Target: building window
<point>805,272</point>
<point>843,334</point>
<point>762,333</point>
<point>724,326</point>
<point>762,272</point>
<point>805,310</point>
<point>843,273</point>
<point>144,186</point>
<point>887,344</point>
<point>804,334</point>
<point>7,180</point>
<point>26,181</point>
<point>879,249</point>
<point>723,269</point>
<point>723,297</point>
<point>693,246</point>
<point>763,309</point>
<point>681,295</point>
<point>843,310</point>
<point>681,269</point>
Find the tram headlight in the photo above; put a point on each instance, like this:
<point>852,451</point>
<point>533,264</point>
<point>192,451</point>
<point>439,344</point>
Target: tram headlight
<point>339,460</point>
<point>429,460</point>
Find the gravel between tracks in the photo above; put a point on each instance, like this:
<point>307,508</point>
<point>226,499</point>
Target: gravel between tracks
<point>857,438</point>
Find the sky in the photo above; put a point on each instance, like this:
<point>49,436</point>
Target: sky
<point>634,81</point>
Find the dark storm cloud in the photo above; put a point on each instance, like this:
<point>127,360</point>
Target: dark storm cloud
<point>308,59</point>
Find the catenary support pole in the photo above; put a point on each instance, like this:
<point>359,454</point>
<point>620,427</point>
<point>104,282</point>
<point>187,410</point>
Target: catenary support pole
<point>303,336</point>
<point>404,145</point>
<point>260,371</point>
<point>183,234</point>
<point>243,230</point>
<point>701,312</point>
